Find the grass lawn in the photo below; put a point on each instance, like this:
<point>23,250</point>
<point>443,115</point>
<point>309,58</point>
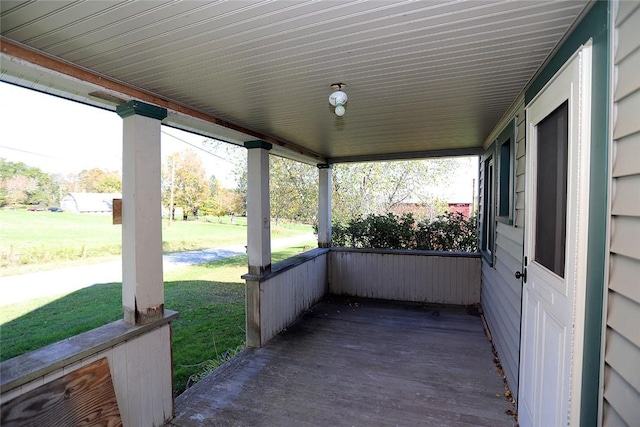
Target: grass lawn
<point>209,298</point>
<point>33,241</point>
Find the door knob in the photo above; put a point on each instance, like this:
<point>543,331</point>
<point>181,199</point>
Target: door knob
<point>523,276</point>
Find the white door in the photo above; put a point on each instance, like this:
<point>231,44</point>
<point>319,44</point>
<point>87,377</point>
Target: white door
<point>558,141</point>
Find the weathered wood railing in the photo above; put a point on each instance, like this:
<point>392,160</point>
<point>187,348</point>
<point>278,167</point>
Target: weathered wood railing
<point>276,299</point>
<point>420,276</point>
<point>139,359</point>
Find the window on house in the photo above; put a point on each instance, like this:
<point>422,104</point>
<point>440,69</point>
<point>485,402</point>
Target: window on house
<point>488,208</point>
<point>506,160</point>
<point>503,182</point>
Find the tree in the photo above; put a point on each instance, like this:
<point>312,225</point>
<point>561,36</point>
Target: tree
<point>221,203</point>
<point>213,184</point>
<point>294,190</point>
<point>38,187</point>
<point>109,184</point>
<point>17,189</point>
<point>237,156</point>
<point>99,181</point>
<point>185,173</point>
<point>360,189</point>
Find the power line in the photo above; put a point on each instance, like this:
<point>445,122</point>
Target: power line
<point>195,146</point>
<point>25,151</point>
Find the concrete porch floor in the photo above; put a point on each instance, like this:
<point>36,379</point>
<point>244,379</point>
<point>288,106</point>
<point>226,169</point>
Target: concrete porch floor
<point>355,362</point>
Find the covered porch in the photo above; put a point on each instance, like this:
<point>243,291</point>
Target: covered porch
<point>425,79</point>
<point>359,362</point>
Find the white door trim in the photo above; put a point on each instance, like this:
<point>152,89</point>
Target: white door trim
<point>572,82</point>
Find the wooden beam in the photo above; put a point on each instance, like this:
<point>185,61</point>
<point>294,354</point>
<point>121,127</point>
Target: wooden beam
<point>52,63</point>
<point>82,397</point>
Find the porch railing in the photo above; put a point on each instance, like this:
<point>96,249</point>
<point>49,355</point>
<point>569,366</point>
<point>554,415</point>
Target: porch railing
<point>403,275</point>
<point>275,300</point>
<point>278,298</point>
<point>139,360</point>
<point>139,357</point>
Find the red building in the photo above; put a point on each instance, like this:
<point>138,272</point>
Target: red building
<point>421,210</point>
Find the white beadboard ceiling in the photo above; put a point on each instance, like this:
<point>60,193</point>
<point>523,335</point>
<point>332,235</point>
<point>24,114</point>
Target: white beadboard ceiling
<point>423,77</point>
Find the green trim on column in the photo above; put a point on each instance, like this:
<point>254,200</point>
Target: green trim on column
<point>142,109</point>
<point>258,144</point>
<point>324,165</point>
<point>594,26</point>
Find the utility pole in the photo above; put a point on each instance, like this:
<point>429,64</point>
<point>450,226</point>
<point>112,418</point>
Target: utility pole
<point>173,178</point>
<point>473,197</point>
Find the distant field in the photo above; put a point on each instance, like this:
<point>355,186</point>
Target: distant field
<point>36,240</point>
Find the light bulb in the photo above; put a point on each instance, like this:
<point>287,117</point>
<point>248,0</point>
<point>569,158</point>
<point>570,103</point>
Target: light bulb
<point>340,110</point>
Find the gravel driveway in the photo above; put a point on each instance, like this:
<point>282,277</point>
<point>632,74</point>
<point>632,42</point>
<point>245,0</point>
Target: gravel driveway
<point>23,287</point>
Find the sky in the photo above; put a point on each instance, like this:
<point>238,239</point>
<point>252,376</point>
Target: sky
<point>62,136</point>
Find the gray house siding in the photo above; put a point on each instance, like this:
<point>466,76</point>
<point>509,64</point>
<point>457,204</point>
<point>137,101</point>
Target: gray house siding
<point>621,404</point>
<point>501,291</point>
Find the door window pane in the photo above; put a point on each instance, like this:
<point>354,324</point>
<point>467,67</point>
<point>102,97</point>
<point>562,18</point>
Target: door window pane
<point>551,200</point>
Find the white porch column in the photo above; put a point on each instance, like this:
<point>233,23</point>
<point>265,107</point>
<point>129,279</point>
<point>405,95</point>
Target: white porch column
<point>258,208</point>
<point>324,206</point>
<point>142,279</point>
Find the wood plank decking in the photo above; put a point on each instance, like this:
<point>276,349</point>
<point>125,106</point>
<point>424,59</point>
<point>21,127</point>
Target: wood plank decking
<point>352,362</point>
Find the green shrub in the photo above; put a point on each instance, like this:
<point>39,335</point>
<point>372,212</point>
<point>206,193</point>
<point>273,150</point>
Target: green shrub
<point>448,232</point>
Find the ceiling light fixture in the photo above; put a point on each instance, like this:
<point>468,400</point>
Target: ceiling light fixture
<point>338,98</point>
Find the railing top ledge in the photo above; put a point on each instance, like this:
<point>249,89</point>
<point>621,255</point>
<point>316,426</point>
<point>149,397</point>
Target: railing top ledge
<point>414,252</point>
<point>287,264</point>
<point>29,366</point>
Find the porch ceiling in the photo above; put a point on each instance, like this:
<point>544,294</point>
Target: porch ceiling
<point>423,77</point>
